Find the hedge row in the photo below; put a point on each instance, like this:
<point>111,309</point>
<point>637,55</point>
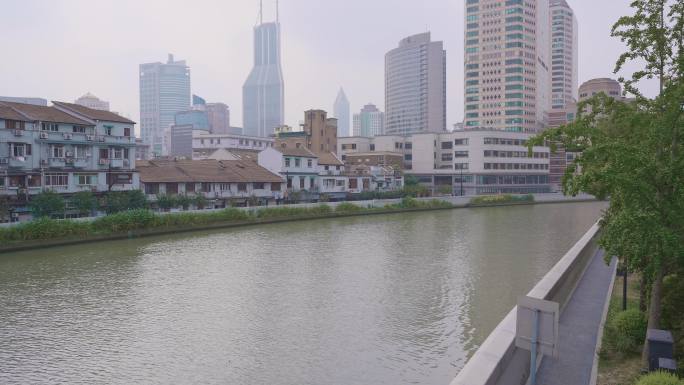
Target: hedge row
<point>123,222</point>
<point>503,198</point>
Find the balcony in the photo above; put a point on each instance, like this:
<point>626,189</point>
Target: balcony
<point>116,163</point>
<point>57,162</point>
<point>18,162</point>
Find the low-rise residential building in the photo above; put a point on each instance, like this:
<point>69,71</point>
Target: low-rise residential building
<point>65,148</point>
<point>224,183</point>
<point>298,165</point>
<point>318,133</point>
<point>332,180</point>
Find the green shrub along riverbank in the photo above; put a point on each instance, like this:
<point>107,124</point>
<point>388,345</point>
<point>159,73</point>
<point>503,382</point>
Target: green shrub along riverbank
<point>501,199</point>
<point>122,223</point>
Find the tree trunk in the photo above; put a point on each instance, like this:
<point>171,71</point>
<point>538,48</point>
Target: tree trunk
<point>654,310</point>
<point>643,294</point>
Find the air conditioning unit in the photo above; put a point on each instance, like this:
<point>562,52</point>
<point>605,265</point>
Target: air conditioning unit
<point>67,136</point>
<point>104,161</point>
<point>90,138</point>
<point>4,161</point>
<point>18,132</point>
<point>126,163</point>
<point>44,135</point>
<point>69,154</point>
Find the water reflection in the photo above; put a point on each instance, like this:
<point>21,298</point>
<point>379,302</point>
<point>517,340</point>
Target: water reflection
<point>370,300</point>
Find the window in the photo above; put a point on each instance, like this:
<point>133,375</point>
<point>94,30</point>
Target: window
<point>339,183</point>
<point>461,142</point>
<point>20,149</point>
<point>172,188</point>
<point>81,152</point>
<point>224,186</point>
<point>108,130</point>
<point>275,186</point>
<point>353,183</point>
<point>127,131</point>
<point>104,153</point>
<point>447,145</point>
<point>298,162</point>
<point>151,188</point>
<point>301,182</point>
<point>408,146</point>
<point>14,124</point>
<point>461,154</point>
<point>57,151</point>
<point>309,163</point>
<point>49,126</point>
<point>289,182</point>
<point>190,187</point>
<point>258,186</point>
<point>206,187</point>
<point>79,129</point>
<point>372,147</point>
<point>287,162</point>
<point>60,180</point>
<point>242,186</point>
<point>86,179</point>
<point>117,153</point>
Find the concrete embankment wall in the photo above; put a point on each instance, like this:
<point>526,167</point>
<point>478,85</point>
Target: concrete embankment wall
<point>498,361</point>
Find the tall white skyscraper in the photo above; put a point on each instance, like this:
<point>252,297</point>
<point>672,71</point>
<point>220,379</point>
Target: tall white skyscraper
<point>164,91</point>
<point>369,122</point>
<point>564,55</point>
<point>415,86</point>
<point>507,65</point>
<point>341,112</point>
<point>263,93</point>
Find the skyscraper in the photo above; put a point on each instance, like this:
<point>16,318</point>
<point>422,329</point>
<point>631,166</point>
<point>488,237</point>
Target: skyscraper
<point>341,112</point>
<point>507,45</point>
<point>164,91</point>
<point>415,86</point>
<point>369,122</point>
<point>564,52</point>
<point>263,92</point>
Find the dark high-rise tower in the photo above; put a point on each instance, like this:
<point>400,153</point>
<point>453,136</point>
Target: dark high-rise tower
<point>263,92</point>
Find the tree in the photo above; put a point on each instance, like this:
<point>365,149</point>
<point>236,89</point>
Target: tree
<point>84,202</point>
<point>4,209</point>
<point>166,202</point>
<point>136,200</point>
<point>47,204</point>
<point>200,202</point>
<point>117,201</point>
<point>631,152</point>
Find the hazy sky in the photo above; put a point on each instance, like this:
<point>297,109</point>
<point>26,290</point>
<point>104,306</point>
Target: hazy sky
<point>61,49</point>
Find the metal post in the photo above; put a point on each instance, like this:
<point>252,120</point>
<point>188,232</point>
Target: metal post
<point>624,290</point>
<point>533,351</point>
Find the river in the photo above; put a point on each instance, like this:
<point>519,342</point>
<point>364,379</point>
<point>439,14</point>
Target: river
<point>388,299</point>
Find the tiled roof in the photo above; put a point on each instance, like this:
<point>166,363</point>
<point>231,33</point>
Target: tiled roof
<point>8,113</point>
<point>44,113</point>
<point>94,114</point>
<point>209,171</point>
<point>296,151</point>
<point>328,158</point>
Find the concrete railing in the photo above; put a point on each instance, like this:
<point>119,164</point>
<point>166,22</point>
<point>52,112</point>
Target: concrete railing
<point>498,361</point>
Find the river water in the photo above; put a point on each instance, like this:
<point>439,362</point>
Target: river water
<point>389,299</point>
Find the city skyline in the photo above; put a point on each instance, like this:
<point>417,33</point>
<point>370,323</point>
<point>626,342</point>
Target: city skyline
<point>311,50</point>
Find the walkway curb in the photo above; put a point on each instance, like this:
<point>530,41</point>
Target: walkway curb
<point>602,325</point>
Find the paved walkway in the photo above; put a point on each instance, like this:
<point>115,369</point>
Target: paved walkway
<point>579,327</point>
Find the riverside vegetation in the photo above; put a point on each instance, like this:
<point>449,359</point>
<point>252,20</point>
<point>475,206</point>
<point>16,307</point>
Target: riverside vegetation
<point>141,219</point>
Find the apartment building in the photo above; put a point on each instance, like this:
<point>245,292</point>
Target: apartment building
<point>66,148</point>
<point>318,133</point>
<point>224,183</point>
<point>507,65</point>
<point>470,162</point>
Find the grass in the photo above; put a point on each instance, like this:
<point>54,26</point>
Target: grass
<point>132,221</point>
<point>616,368</point>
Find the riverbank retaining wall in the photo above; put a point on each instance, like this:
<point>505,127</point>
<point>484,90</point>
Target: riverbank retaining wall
<point>498,361</point>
